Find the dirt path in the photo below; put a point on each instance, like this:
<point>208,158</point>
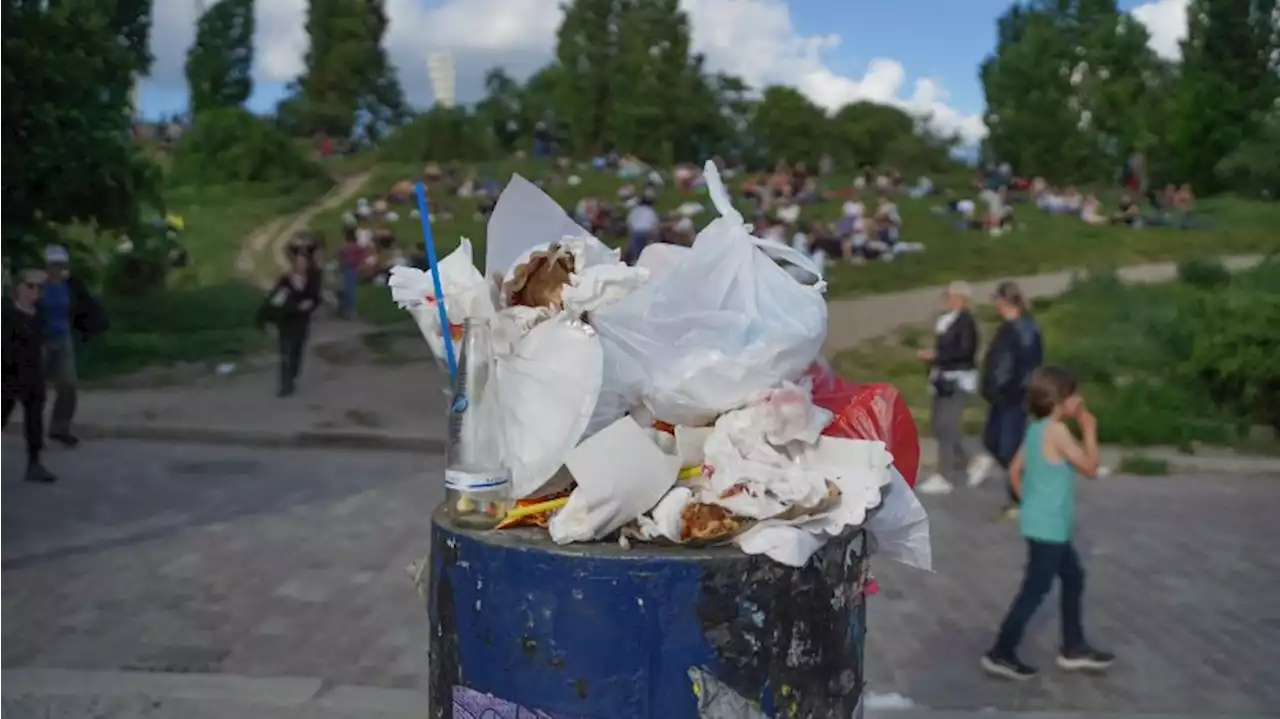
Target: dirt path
<point>261,256</point>
<point>853,320</point>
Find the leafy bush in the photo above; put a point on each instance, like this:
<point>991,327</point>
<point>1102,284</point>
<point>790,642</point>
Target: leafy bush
<point>1205,274</point>
<point>1235,353</point>
<point>441,134</point>
<point>1252,167</point>
<point>202,324</point>
<point>1196,360</point>
<point>233,146</point>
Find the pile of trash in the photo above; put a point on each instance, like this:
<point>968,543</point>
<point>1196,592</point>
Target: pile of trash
<point>682,400</point>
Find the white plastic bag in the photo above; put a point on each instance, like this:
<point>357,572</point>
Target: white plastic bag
<point>901,526</point>
<point>724,324</point>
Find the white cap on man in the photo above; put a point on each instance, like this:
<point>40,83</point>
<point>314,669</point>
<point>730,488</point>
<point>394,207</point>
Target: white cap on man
<point>959,288</point>
<point>56,255</point>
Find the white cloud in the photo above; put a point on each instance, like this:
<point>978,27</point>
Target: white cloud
<point>754,39</point>
<point>1166,20</point>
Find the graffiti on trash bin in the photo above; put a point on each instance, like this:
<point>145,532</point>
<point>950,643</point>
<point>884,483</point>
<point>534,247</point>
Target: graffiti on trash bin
<point>471,704</point>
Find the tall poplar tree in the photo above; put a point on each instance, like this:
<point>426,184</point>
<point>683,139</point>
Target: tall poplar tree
<point>1228,84</point>
<point>220,61</point>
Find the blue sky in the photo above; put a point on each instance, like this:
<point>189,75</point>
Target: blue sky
<point>922,55</point>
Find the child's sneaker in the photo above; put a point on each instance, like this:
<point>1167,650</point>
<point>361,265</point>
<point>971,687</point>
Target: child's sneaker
<point>1085,659</point>
<point>1009,667</point>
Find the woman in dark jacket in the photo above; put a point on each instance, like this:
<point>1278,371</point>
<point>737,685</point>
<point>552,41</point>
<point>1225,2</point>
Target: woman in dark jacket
<point>953,378</point>
<point>1015,352</point>
<point>290,305</point>
<point>24,379</point>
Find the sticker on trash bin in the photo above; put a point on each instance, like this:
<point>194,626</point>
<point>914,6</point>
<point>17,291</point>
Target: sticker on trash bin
<point>471,704</point>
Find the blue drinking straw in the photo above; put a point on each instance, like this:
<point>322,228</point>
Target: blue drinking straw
<point>429,240</point>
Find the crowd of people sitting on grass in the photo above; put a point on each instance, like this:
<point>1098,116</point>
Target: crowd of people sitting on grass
<point>776,201</point>
<point>999,190</point>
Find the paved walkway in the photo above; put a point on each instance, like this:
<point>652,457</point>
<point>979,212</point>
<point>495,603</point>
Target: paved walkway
<point>349,395</point>
<point>239,562</point>
<point>355,397</point>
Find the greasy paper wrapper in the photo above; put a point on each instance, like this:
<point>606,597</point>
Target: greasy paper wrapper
<point>539,519</point>
<point>540,280</point>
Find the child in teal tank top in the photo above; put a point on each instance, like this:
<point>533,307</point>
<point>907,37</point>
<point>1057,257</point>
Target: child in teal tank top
<point>1044,475</point>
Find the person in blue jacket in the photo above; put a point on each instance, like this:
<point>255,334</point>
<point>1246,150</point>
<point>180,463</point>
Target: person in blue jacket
<point>1016,351</point>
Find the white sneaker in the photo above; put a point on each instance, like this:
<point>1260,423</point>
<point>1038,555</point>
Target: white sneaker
<point>936,484</point>
<point>979,468</point>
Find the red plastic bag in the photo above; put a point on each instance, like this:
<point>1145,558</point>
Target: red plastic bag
<point>869,411</point>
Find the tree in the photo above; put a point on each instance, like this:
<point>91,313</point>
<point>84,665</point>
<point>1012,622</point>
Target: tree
<point>500,110</point>
<point>230,145</point>
<point>1070,89</point>
<point>381,105</point>
<point>788,126</point>
<point>587,52</point>
<point>68,151</point>
<point>220,61</point>
<point>348,87</point>
<point>1253,168</point>
<point>655,80</point>
<point>624,80</point>
<point>1228,81</point>
<point>866,130</point>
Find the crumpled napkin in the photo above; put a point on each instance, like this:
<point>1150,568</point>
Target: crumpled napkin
<point>759,459</point>
<point>860,468</point>
<point>466,294</point>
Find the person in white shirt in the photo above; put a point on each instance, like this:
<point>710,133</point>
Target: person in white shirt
<point>953,379</point>
<point>642,225</point>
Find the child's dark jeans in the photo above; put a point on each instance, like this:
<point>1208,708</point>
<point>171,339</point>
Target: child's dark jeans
<point>1046,560</point>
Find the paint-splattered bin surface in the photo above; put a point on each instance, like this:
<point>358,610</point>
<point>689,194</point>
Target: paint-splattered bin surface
<point>521,627</point>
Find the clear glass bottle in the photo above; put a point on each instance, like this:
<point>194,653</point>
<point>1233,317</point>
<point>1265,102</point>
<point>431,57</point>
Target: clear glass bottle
<point>477,482</point>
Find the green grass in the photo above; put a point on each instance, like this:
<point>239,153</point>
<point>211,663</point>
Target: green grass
<point>1117,338</point>
<point>205,314</point>
<point>209,324</point>
<point>220,219</point>
<point>1041,244</point>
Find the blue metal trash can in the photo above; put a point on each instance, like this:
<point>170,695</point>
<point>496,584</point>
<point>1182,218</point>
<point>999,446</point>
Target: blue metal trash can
<point>522,628</point>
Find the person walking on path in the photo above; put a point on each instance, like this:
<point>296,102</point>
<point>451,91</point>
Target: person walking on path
<point>1016,351</point>
<point>642,226</point>
<point>290,305</point>
<point>953,379</point>
<point>70,313</point>
<point>1044,473</point>
<point>23,379</point>
<point>351,259</point>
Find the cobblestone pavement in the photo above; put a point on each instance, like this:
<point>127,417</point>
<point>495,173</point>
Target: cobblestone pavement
<point>274,563</point>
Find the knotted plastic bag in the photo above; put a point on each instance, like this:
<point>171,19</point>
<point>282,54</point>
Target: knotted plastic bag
<point>874,411</point>
<point>724,324</point>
